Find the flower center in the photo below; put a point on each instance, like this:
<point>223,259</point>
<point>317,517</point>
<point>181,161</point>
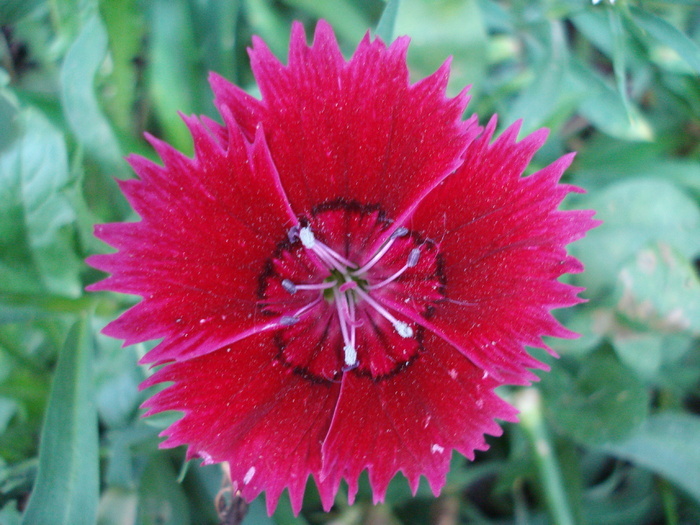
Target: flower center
<point>341,308</point>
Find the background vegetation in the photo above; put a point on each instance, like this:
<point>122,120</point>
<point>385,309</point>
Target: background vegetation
<point>610,436</point>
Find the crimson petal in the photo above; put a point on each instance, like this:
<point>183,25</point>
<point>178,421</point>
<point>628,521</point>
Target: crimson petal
<point>412,421</point>
<point>352,130</point>
<point>503,242</point>
<point>243,406</point>
<point>196,255</point>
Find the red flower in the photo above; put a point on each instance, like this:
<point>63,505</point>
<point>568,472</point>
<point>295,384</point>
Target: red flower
<point>342,274</point>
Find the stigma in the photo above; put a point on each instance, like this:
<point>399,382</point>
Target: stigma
<point>351,287</point>
<point>346,290</point>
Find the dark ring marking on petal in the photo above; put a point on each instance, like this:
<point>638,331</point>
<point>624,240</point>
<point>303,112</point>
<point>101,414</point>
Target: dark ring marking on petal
<point>408,269</point>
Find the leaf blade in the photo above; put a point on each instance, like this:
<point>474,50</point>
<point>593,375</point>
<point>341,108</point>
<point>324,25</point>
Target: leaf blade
<point>387,22</point>
<point>668,35</point>
<point>36,219</point>
<point>668,444</point>
<point>67,486</point>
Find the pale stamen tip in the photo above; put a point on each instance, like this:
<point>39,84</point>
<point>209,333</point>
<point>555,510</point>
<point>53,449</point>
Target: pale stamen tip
<point>350,355</point>
<point>307,237</point>
<point>399,232</point>
<point>287,320</point>
<point>413,257</point>
<point>403,329</point>
<point>289,286</point>
<point>293,233</point>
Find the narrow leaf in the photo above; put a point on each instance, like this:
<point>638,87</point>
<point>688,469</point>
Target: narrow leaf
<point>344,15</point>
<point>669,36</point>
<point>619,62</point>
<point>80,104</point>
<point>173,76</point>
<point>36,252</point>
<point>85,117</point>
<point>67,485</point>
<point>387,22</point>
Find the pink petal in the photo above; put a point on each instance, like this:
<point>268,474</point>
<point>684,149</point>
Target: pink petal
<point>411,421</point>
<point>243,406</point>
<point>504,246</point>
<point>196,255</point>
<point>354,131</point>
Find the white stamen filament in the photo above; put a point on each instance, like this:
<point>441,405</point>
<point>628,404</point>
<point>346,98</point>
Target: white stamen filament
<point>346,315</point>
<point>288,320</point>
<point>335,255</point>
<point>412,261</point>
<point>332,259</point>
<point>401,328</point>
<point>400,232</point>
<point>292,288</point>
<point>348,291</point>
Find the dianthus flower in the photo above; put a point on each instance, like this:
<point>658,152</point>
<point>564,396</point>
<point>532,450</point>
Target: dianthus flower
<point>342,274</point>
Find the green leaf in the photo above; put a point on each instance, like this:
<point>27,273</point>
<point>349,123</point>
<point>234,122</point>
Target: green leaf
<point>9,121</point>
<point>660,291</point>
<point>601,401</point>
<point>538,100</point>
<point>624,496</point>
<point>634,212</point>
<point>619,59</point>
<point>12,11</point>
<point>604,108</point>
<point>117,507</point>
<point>441,29</point>
<point>84,115</point>
<point>215,29</point>
<point>67,485</point>
<point>8,408</point>
<point>668,444</point>
<point>125,29</point>
<point>257,515</point>
<point>36,234</point>
<point>387,22</point>
<point>173,75</point>
<point>117,377</point>
<point>268,23</point>
<point>647,352</point>
<point>345,16</point>
<point>668,35</point>
<point>9,515</point>
<point>161,498</point>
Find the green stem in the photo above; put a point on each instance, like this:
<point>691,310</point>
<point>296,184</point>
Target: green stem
<point>529,402</point>
<point>670,502</point>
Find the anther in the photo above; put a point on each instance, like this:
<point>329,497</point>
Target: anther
<point>413,257</point>
<point>293,233</point>
<point>307,237</point>
<point>403,329</point>
<point>287,320</point>
<point>350,355</point>
<point>289,286</point>
<point>399,232</point>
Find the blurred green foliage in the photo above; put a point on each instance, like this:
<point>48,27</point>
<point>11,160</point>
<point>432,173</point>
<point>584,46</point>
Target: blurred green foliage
<point>81,80</point>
